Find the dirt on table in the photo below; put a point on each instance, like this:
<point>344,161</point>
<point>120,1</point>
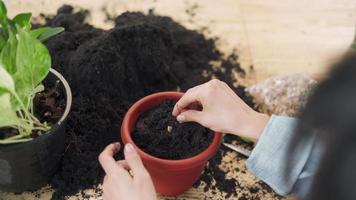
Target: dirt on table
<point>108,70</point>
<point>158,133</point>
<point>227,177</point>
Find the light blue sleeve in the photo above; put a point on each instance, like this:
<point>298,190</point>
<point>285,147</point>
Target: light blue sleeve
<point>269,158</point>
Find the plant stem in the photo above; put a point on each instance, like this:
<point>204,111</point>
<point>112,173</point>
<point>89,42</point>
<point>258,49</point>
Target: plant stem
<point>19,101</point>
<point>41,128</point>
<point>34,118</point>
<point>32,123</point>
<point>15,141</point>
<point>14,137</point>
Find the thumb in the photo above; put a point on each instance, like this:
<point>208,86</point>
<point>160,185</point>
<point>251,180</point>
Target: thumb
<point>190,116</point>
<point>133,160</point>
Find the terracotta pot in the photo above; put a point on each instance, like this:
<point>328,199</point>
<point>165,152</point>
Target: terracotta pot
<point>170,177</point>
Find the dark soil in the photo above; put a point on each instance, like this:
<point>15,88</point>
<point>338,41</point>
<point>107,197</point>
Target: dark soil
<point>49,106</point>
<point>158,133</point>
<point>214,177</point>
<point>110,70</point>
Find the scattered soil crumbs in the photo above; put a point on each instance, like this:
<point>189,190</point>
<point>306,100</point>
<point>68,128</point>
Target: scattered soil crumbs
<point>227,176</point>
<point>158,133</point>
<point>215,178</point>
<point>110,70</point>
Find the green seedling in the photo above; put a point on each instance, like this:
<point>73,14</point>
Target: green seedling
<point>24,63</point>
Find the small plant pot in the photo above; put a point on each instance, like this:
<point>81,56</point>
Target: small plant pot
<point>30,165</point>
<point>170,177</point>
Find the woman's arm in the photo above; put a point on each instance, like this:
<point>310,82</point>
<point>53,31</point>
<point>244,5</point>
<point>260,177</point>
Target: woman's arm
<point>223,111</point>
<point>269,158</point>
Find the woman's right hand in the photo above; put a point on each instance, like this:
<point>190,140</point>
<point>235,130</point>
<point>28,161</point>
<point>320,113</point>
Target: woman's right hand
<point>222,110</point>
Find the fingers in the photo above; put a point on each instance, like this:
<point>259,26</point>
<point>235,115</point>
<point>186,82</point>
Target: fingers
<point>191,116</point>
<point>106,158</point>
<point>123,164</point>
<point>189,97</point>
<point>123,170</point>
<point>193,95</point>
<point>134,161</point>
<point>115,170</point>
<point>105,178</point>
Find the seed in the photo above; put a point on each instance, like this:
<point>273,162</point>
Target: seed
<point>169,129</point>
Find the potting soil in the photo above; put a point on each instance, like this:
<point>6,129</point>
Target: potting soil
<point>108,70</point>
<point>158,133</point>
<point>49,106</point>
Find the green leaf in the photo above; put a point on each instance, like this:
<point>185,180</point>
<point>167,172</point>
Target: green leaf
<point>33,62</point>
<point>9,27</point>
<point>3,17</point>
<point>7,84</point>
<point>8,55</point>
<point>39,88</point>
<point>23,20</point>
<point>45,32</point>
<point>6,81</point>
<point>8,116</point>
<point>37,32</point>
<point>2,42</point>
<point>3,12</point>
<point>4,34</point>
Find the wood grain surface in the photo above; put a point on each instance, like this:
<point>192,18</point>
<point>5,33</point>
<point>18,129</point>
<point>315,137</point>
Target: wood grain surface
<point>275,37</point>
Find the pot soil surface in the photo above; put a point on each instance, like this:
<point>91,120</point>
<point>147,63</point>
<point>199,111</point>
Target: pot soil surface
<point>49,106</point>
<point>109,70</point>
<point>159,134</point>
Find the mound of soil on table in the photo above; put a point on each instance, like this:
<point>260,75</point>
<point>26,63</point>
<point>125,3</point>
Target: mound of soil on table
<point>158,133</point>
<point>108,70</point>
<point>125,62</point>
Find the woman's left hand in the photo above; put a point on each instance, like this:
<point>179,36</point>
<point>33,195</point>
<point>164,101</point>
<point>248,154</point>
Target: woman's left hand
<point>118,183</point>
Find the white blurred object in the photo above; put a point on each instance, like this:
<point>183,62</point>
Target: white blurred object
<point>283,95</point>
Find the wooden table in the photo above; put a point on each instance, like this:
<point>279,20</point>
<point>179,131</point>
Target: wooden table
<point>276,37</point>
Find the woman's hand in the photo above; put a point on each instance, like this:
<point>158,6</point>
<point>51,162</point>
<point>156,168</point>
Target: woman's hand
<point>118,183</point>
<point>222,110</point>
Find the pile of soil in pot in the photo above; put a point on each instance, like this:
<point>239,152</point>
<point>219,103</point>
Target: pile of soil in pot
<point>158,133</point>
<point>109,70</point>
<point>49,106</point>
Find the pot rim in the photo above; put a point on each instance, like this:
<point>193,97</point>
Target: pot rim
<point>182,163</point>
<point>68,92</point>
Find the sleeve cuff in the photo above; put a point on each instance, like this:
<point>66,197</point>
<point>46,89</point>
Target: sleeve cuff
<point>269,158</point>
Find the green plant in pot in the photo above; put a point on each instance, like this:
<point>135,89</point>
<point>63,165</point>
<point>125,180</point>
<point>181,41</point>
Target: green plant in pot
<point>34,103</point>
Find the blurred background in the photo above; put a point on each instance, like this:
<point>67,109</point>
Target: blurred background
<point>275,37</point>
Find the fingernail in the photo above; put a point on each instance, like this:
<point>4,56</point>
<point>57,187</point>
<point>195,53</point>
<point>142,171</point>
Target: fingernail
<point>129,148</point>
<point>174,110</point>
<point>117,145</point>
<point>180,118</point>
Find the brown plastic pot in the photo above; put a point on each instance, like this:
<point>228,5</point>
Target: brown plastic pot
<point>170,177</point>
